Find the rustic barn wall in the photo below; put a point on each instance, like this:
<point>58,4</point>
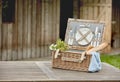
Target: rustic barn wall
<point>6,43</point>
<point>0,28</point>
<point>116,24</point>
<point>99,10</point>
<point>36,27</point>
<point>76,9</point>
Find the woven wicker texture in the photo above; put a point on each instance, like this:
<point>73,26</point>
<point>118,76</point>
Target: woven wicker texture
<point>73,64</point>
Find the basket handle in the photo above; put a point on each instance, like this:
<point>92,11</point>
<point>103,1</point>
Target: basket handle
<point>82,57</point>
<point>57,53</point>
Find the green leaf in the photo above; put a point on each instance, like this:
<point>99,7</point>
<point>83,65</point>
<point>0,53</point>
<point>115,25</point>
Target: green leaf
<point>61,45</point>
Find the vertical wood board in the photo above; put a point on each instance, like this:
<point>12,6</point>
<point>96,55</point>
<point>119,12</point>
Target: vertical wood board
<point>99,10</point>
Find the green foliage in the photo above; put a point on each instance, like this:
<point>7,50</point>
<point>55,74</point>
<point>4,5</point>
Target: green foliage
<point>111,59</point>
<point>61,45</point>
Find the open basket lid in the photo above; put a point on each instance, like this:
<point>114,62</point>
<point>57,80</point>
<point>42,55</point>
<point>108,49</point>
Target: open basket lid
<point>82,33</point>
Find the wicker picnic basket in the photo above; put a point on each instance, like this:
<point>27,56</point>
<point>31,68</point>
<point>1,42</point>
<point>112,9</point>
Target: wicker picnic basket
<point>80,41</point>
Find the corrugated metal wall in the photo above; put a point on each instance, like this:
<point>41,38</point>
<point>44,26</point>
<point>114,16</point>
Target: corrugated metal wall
<point>36,27</point>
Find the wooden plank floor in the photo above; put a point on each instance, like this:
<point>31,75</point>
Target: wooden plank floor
<point>41,71</point>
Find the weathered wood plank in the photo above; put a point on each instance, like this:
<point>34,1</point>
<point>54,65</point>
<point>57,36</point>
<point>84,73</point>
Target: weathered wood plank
<point>57,18</point>
<point>49,19</point>
<point>0,44</point>
<point>85,11</point>
<point>25,29</point>
<point>54,20</point>
<point>33,28</point>
<point>29,29</point>
<point>51,22</point>
<point>108,25</point>
<point>49,73</point>
<point>42,27</point>
<point>81,9</point>
<point>114,14</point>
<point>76,8</point>
<point>15,35</point>
<point>4,41</point>
<point>102,11</point>
<point>20,28</point>
<point>46,32</point>
<point>39,28</point>
<point>45,21</point>
<point>10,33</point>
<point>41,71</point>
<point>90,10</point>
<point>115,42</point>
<point>23,71</point>
<point>105,18</point>
<point>50,26</point>
<point>47,36</point>
<point>14,43</point>
<point>0,30</point>
<point>103,5</point>
<point>95,15</point>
